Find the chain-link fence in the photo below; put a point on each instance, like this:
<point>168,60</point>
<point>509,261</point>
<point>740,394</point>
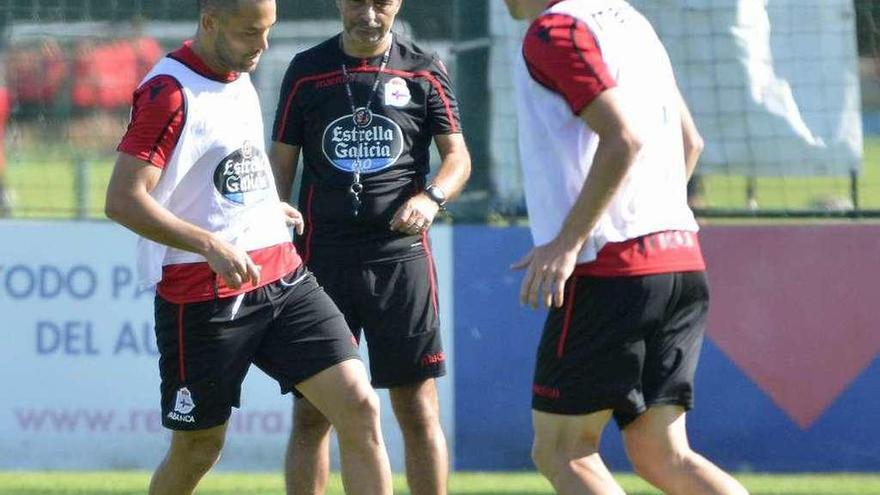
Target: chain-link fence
<point>787,93</point>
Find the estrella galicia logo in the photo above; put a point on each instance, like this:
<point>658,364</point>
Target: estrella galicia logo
<point>242,177</point>
<point>377,145</point>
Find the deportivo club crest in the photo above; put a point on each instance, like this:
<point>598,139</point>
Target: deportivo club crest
<point>184,403</point>
<point>396,93</point>
<point>183,407</point>
<point>366,137</point>
<point>243,176</point>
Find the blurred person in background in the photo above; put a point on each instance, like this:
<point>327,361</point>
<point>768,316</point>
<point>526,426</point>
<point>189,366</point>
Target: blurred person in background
<point>36,75</point>
<point>362,108</point>
<point>193,180</point>
<point>607,145</point>
<point>105,72</point>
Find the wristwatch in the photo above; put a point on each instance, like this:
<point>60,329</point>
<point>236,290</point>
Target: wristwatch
<point>437,195</point>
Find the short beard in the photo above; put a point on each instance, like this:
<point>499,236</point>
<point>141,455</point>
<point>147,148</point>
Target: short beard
<point>221,48</point>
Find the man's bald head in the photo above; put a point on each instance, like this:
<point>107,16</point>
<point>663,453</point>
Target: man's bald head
<point>219,5</point>
<point>205,5</point>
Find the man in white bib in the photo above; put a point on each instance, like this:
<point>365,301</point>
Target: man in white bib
<point>193,180</point>
<point>607,145</point>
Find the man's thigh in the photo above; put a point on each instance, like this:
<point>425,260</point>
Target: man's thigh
<point>569,434</point>
<point>339,391</point>
<point>308,333</point>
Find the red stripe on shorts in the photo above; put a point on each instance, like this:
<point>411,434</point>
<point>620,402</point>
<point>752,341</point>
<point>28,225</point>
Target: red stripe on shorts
<point>180,343</point>
<point>431,275</point>
<point>569,306</point>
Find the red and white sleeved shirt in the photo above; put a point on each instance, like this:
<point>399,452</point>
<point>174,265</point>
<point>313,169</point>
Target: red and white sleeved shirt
<point>572,53</point>
<point>205,131</point>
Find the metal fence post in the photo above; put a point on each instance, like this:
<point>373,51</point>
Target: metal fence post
<point>81,187</point>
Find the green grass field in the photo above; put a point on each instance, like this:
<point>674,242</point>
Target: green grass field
<point>43,183</point>
<point>125,483</point>
<point>794,193</point>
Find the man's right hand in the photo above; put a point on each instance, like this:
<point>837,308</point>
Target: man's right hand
<point>232,264</point>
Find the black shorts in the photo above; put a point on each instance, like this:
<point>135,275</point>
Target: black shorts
<point>396,305</point>
<point>290,329</point>
<point>622,343</point>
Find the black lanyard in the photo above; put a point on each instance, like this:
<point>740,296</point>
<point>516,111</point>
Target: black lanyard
<point>362,117</point>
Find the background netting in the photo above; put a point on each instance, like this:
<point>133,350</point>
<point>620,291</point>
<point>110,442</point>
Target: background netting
<point>787,94</point>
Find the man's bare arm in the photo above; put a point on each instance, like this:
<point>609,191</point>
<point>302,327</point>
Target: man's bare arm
<point>284,159</point>
<point>550,265</point>
<point>617,151</point>
<point>129,203</point>
<point>455,169</point>
<point>417,214</point>
<point>693,142</point>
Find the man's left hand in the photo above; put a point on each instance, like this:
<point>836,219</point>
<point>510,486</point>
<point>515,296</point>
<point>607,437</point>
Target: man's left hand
<point>293,218</point>
<point>416,215</point>
<point>548,268</point>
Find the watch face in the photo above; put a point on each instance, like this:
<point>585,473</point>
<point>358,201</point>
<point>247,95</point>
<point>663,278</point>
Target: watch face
<point>436,194</point>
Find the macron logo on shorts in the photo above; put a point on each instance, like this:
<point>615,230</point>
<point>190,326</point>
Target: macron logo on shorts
<point>183,406</point>
<point>546,391</point>
<point>432,359</point>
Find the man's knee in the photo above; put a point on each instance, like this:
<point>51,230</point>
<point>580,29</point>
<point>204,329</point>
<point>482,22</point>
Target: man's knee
<point>420,421</point>
<point>199,450</point>
<point>552,454</point>
<point>361,415</point>
<point>654,458</point>
<point>656,443</point>
<point>545,458</point>
<point>417,409</point>
<point>307,419</point>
